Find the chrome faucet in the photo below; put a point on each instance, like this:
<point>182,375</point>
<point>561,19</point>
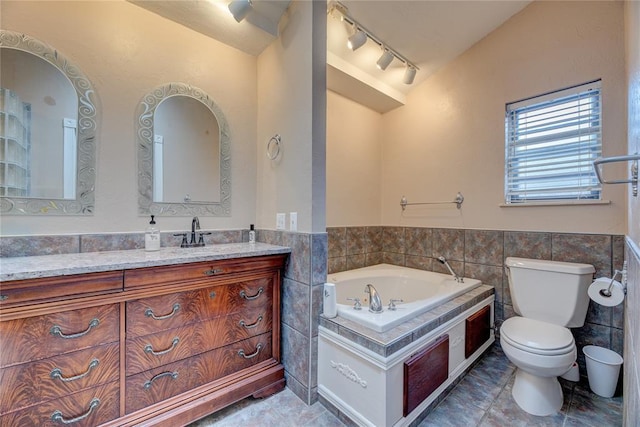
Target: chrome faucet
<point>375,303</point>
<point>457,278</point>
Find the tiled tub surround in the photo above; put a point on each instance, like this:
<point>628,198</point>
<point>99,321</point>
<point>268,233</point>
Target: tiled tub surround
<point>304,277</point>
<point>480,254</point>
<point>301,302</point>
<point>378,357</point>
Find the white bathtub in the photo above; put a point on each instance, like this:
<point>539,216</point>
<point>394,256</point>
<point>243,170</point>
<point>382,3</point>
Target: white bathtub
<point>420,290</point>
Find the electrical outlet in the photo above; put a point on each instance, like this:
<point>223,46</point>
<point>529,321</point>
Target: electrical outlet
<point>280,217</point>
<point>293,221</point>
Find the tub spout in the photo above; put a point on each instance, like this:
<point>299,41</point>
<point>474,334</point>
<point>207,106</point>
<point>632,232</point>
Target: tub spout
<point>457,278</point>
<point>375,303</point>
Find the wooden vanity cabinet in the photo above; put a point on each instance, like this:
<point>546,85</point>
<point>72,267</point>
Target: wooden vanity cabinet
<point>163,346</point>
<point>61,367</point>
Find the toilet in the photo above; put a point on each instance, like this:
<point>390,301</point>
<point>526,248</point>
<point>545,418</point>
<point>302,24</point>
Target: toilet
<point>550,297</point>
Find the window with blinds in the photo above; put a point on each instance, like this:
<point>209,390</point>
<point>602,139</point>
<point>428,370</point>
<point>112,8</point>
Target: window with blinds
<point>551,143</point>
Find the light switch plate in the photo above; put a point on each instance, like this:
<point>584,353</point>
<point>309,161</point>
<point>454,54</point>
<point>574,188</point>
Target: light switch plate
<point>280,217</point>
<point>293,221</point>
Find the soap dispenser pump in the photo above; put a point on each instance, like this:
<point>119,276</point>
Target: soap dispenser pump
<point>152,236</point>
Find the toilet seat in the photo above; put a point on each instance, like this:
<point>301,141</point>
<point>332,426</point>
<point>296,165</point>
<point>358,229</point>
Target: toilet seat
<point>537,337</point>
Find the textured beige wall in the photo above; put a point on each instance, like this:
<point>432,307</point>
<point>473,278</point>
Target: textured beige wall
<point>126,51</point>
<point>450,135</point>
<point>287,97</point>
<point>633,79</point>
<point>354,161</point>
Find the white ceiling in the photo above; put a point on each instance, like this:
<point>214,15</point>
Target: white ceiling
<point>213,19</point>
<point>429,33</point>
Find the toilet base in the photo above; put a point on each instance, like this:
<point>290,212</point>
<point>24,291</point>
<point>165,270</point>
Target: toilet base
<point>536,395</point>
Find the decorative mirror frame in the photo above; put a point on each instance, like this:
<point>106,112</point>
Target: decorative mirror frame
<point>87,129</point>
<point>145,112</point>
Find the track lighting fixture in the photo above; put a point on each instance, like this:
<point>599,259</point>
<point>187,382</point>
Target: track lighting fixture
<point>409,75</point>
<point>357,39</point>
<point>385,60</point>
<point>240,9</point>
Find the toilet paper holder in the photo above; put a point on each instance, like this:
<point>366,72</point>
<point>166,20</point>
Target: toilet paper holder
<point>623,274</point>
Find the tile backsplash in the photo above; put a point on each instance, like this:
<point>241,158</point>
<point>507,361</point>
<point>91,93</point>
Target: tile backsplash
<point>480,254</point>
<point>15,246</point>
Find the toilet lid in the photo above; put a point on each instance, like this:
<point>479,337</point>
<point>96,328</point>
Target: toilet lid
<point>536,336</point>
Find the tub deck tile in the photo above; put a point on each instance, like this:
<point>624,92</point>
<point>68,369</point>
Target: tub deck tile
<point>393,340</point>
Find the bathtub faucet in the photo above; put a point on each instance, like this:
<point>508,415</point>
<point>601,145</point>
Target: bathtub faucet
<point>457,278</point>
<point>375,303</point>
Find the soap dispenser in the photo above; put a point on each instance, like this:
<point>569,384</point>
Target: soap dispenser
<point>252,234</point>
<point>152,236</point>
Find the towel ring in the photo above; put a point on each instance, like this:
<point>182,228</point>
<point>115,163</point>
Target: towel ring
<point>273,147</point>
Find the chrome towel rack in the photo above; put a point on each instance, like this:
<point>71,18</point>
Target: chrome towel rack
<point>617,159</point>
<point>458,201</point>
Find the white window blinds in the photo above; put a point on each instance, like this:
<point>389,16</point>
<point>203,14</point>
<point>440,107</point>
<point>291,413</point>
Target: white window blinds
<point>551,142</point>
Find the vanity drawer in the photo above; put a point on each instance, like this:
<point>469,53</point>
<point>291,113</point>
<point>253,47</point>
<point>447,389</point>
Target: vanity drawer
<point>149,315</point>
<point>87,408</point>
<point>31,383</point>
<point>41,337</point>
<point>210,270</point>
<point>158,349</point>
<point>155,385</point>
<point>58,288</point>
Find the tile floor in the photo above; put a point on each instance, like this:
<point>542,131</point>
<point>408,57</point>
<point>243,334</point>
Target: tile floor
<point>482,399</point>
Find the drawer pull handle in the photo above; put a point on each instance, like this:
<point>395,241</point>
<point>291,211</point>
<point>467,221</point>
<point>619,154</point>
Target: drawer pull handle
<point>147,385</point>
<point>244,295</point>
<point>212,294</point>
<point>57,330</point>
<point>213,271</point>
<point>4,297</point>
<point>56,373</point>
<point>57,416</point>
<point>149,349</point>
<point>149,313</point>
<point>253,325</point>
<point>252,355</point>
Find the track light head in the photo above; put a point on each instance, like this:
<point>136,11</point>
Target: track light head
<point>357,39</point>
<point>385,60</point>
<point>240,9</point>
<point>409,75</point>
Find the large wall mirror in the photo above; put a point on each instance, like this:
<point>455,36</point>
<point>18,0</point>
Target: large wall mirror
<point>184,160</point>
<point>47,131</point>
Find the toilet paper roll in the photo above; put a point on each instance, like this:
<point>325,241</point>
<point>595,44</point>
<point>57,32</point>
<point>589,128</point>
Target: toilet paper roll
<point>330,307</point>
<point>617,292</point>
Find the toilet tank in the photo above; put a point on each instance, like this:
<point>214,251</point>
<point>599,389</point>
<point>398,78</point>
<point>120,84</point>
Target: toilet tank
<point>550,291</point>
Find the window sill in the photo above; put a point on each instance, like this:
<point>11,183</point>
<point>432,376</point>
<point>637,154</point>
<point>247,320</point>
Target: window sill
<point>559,203</point>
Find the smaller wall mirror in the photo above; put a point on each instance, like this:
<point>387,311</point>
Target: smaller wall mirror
<point>47,131</point>
<point>184,161</point>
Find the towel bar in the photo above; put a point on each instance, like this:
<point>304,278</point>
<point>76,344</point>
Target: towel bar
<point>458,201</point>
<point>616,159</point>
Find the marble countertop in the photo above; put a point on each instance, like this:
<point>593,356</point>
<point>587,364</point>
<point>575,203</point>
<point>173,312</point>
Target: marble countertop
<point>31,267</point>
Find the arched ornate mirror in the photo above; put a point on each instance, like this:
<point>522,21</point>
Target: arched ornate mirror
<point>47,131</point>
<point>184,154</point>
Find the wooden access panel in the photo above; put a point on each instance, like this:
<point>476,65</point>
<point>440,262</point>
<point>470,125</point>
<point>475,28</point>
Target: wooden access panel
<point>424,372</point>
<point>477,330</point>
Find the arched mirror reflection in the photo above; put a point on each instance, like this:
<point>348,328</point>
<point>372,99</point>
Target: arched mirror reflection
<point>183,154</point>
<point>186,152</point>
<point>47,131</point>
